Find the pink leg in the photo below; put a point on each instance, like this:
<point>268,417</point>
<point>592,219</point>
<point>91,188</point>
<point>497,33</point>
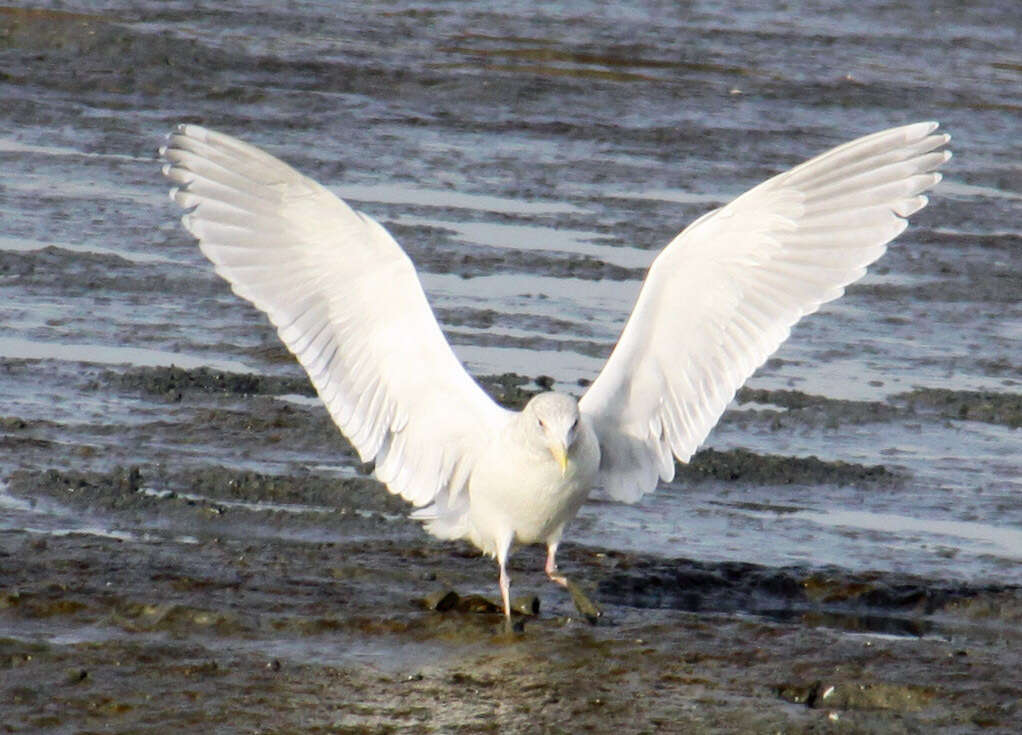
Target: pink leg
<point>505,589</point>
<point>582,603</point>
<point>551,566</point>
<point>503,551</point>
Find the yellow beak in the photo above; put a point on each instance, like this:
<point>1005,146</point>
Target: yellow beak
<point>561,455</point>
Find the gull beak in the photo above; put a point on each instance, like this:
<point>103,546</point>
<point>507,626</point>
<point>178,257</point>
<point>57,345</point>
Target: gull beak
<point>561,455</point>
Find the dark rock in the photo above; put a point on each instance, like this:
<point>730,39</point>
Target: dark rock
<point>441,600</point>
<point>525,605</point>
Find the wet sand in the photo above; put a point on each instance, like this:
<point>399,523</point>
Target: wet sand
<point>188,545</point>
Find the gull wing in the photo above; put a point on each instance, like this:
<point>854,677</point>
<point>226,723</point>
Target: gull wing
<point>346,301</point>
<point>724,294</point>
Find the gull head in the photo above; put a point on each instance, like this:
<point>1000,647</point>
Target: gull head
<point>552,422</point>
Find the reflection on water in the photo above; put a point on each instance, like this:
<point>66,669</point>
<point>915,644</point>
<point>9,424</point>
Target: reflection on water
<point>43,517</point>
<point>981,537</point>
<point>531,237</point>
<point>25,245</point>
<point>24,349</point>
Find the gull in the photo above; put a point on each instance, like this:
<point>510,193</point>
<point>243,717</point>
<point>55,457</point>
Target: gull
<point>716,303</point>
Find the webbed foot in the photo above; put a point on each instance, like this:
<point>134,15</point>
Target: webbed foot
<point>586,607</point>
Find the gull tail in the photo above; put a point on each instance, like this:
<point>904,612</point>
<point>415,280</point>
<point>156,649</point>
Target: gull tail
<point>449,522</point>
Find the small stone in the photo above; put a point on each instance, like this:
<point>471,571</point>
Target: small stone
<point>441,600</point>
<point>76,676</point>
<point>545,382</point>
<point>525,605</point>
<point>477,604</point>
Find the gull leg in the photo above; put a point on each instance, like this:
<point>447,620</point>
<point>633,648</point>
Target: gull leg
<point>551,566</point>
<point>505,587</point>
<point>586,607</point>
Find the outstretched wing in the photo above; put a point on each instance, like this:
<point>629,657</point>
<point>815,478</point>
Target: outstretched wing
<point>345,300</point>
<point>724,294</point>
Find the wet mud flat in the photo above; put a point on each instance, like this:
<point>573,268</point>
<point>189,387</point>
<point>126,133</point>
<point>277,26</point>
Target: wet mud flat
<point>183,594</point>
<point>213,597</point>
<point>284,590</point>
<point>196,549</point>
<point>278,630</point>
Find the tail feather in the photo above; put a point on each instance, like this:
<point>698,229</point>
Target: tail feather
<point>444,521</point>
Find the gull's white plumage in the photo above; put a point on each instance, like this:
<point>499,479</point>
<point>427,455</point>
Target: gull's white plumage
<point>717,301</point>
<point>346,301</point>
<point>724,294</point>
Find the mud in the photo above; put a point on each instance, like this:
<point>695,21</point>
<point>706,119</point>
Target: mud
<point>173,383</point>
<point>987,406</point>
<point>323,624</point>
<point>739,465</point>
<point>993,408</point>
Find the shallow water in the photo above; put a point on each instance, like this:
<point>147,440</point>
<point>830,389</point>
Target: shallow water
<point>532,161</point>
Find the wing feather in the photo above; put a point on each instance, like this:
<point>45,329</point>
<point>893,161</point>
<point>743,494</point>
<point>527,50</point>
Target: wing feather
<point>346,301</point>
<point>725,293</point>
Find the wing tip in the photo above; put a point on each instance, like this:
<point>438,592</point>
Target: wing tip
<point>907,207</point>
<point>914,132</point>
<point>190,225</point>
<point>190,130</point>
<point>921,129</point>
